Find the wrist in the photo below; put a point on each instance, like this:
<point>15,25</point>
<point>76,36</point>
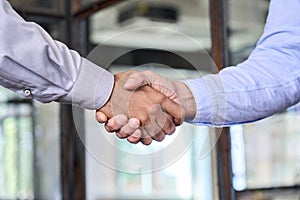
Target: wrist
<point>187,100</point>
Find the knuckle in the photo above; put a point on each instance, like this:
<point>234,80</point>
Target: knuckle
<point>144,120</point>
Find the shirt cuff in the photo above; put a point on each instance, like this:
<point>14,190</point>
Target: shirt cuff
<point>201,96</point>
<point>92,88</point>
<point>210,100</point>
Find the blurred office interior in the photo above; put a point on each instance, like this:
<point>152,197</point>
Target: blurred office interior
<point>173,38</point>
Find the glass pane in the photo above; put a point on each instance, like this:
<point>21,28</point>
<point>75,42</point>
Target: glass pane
<point>131,171</point>
<point>181,28</point>
<point>16,147</point>
<point>119,170</point>
<point>163,182</point>
<point>20,171</point>
<point>246,23</point>
<point>48,151</point>
<point>170,37</point>
<point>269,152</point>
<point>89,2</point>
<point>53,6</point>
<point>284,193</point>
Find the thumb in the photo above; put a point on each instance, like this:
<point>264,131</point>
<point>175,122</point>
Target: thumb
<point>175,110</point>
<point>136,80</point>
<point>101,117</point>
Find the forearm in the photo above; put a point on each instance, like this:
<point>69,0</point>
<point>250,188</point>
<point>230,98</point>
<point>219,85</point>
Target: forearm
<point>266,83</point>
<point>30,60</point>
<point>234,97</point>
<point>187,100</point>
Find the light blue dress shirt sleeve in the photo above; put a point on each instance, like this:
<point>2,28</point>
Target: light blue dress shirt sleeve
<point>266,83</point>
<point>34,65</point>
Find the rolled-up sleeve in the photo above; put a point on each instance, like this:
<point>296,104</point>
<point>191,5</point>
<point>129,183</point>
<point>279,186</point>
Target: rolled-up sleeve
<point>34,65</point>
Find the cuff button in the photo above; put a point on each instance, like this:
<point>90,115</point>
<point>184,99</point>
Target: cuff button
<point>27,92</point>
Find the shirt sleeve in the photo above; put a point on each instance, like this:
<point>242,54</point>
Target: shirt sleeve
<point>34,65</point>
<point>266,83</point>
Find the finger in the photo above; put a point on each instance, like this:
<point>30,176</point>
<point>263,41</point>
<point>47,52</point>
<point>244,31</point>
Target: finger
<point>146,141</point>
<point>136,80</point>
<point>101,117</point>
<point>157,82</point>
<point>157,120</point>
<point>135,137</point>
<point>116,123</point>
<point>129,128</point>
<point>146,138</point>
<point>169,126</point>
<point>121,135</point>
<point>160,136</point>
<point>174,110</point>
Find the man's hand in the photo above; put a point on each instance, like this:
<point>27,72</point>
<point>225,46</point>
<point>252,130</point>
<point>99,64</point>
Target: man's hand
<point>152,112</point>
<point>178,92</point>
<point>174,90</point>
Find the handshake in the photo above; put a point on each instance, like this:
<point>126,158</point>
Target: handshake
<point>145,106</point>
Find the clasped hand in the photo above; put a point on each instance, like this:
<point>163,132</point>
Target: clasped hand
<point>153,105</point>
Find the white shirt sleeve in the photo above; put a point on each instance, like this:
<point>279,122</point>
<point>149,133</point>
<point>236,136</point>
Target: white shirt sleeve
<point>34,65</point>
